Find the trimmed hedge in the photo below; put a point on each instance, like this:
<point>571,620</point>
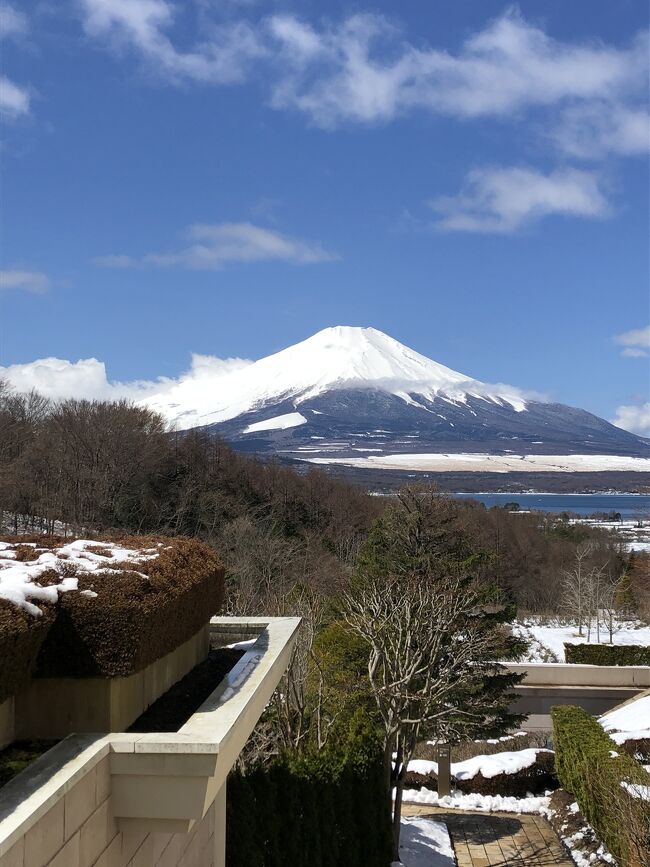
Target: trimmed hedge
<point>590,766</point>
<point>322,810</point>
<point>139,614</point>
<point>21,637</point>
<point>607,654</point>
<point>536,779</point>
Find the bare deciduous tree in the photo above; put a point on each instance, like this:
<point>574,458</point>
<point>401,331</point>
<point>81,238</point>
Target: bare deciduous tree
<point>428,652</point>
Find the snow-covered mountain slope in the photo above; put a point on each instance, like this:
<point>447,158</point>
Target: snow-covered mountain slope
<point>334,359</point>
<point>349,392</point>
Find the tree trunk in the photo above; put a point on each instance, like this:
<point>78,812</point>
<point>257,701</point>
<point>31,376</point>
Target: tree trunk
<point>397,803</point>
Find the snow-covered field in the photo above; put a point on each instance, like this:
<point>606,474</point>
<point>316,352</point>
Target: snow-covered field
<point>424,843</point>
<point>487,463</point>
<point>19,577</point>
<point>633,535</point>
<point>547,639</point>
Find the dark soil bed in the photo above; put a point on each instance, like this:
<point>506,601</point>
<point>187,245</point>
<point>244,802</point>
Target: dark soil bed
<point>18,756</point>
<point>173,709</point>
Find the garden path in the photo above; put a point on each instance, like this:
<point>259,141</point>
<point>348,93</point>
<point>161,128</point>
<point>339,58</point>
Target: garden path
<point>498,839</point>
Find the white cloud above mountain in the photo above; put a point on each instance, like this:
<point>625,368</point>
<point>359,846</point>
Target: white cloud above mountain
<point>28,281</point>
<point>214,245</point>
<point>635,343</point>
<point>14,97</point>
<point>364,69</point>
<point>504,199</point>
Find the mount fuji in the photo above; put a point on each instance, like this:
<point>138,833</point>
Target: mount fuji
<point>356,396</point>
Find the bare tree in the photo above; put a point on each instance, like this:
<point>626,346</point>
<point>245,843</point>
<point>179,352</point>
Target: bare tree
<point>428,648</point>
<point>575,586</point>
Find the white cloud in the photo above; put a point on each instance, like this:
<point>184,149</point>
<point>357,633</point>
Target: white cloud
<point>29,281</point>
<point>221,57</point>
<point>13,23</point>
<point>593,130</point>
<point>363,69</point>
<point>502,200</point>
<point>58,378</point>
<point>636,342</point>
<point>634,417</point>
<point>14,99</point>
<point>211,246</point>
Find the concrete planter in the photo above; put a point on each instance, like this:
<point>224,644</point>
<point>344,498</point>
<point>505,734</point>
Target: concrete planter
<point>145,800</point>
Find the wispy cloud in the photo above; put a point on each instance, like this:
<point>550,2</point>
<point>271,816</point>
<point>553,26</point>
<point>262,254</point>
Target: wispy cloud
<point>13,22</point>
<point>211,246</point>
<point>635,343</point>
<point>503,200</point>
<point>364,69</point>
<point>222,56</point>
<point>29,281</point>
<point>634,417</point>
<point>14,98</point>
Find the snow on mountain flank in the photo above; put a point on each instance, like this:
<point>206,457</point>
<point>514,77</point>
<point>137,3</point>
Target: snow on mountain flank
<point>333,359</point>
<point>280,422</point>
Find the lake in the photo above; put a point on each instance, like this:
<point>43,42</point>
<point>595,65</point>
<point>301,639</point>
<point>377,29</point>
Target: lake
<point>629,505</point>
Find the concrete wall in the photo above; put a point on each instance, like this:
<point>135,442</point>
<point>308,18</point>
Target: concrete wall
<point>595,688</point>
<point>78,830</point>
<point>94,704</point>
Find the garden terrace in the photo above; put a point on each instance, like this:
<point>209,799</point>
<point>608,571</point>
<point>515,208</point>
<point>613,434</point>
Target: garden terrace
<point>96,630</point>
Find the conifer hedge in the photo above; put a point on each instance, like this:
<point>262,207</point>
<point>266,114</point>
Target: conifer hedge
<point>323,809</point>
<point>606,654</point>
<point>589,765</point>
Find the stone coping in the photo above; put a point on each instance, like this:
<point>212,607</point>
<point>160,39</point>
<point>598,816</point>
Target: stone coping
<point>162,781</point>
<point>570,674</point>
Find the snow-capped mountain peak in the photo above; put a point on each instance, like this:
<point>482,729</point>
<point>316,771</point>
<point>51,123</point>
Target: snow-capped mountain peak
<point>334,359</point>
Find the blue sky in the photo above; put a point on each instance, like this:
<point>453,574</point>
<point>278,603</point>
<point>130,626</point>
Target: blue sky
<point>226,177</point>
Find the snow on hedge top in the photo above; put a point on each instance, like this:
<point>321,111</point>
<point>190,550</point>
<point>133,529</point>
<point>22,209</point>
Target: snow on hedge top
<point>487,766</point>
<point>19,573</point>
<point>334,358</point>
<point>628,722</point>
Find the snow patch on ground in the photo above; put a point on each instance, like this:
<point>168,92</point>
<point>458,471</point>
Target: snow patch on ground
<point>424,843</point>
<point>475,802</point>
<point>19,577</point>
<point>548,638</point>
<point>280,422</point>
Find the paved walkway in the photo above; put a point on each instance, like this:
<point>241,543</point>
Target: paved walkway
<point>498,839</point>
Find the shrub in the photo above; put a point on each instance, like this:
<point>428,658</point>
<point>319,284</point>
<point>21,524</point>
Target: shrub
<point>607,654</point>
<point>537,778</point>
<point>321,809</point>
<point>590,766</point>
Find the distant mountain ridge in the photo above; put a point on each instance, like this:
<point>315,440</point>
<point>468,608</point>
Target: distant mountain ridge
<point>350,392</point>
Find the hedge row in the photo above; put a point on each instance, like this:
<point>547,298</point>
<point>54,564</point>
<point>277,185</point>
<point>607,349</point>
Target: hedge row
<point>137,613</point>
<point>536,779</point>
<point>321,811</point>
<point>607,654</point>
<point>590,766</point>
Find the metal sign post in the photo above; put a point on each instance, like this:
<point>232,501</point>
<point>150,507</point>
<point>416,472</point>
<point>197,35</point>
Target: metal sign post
<point>443,757</point>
